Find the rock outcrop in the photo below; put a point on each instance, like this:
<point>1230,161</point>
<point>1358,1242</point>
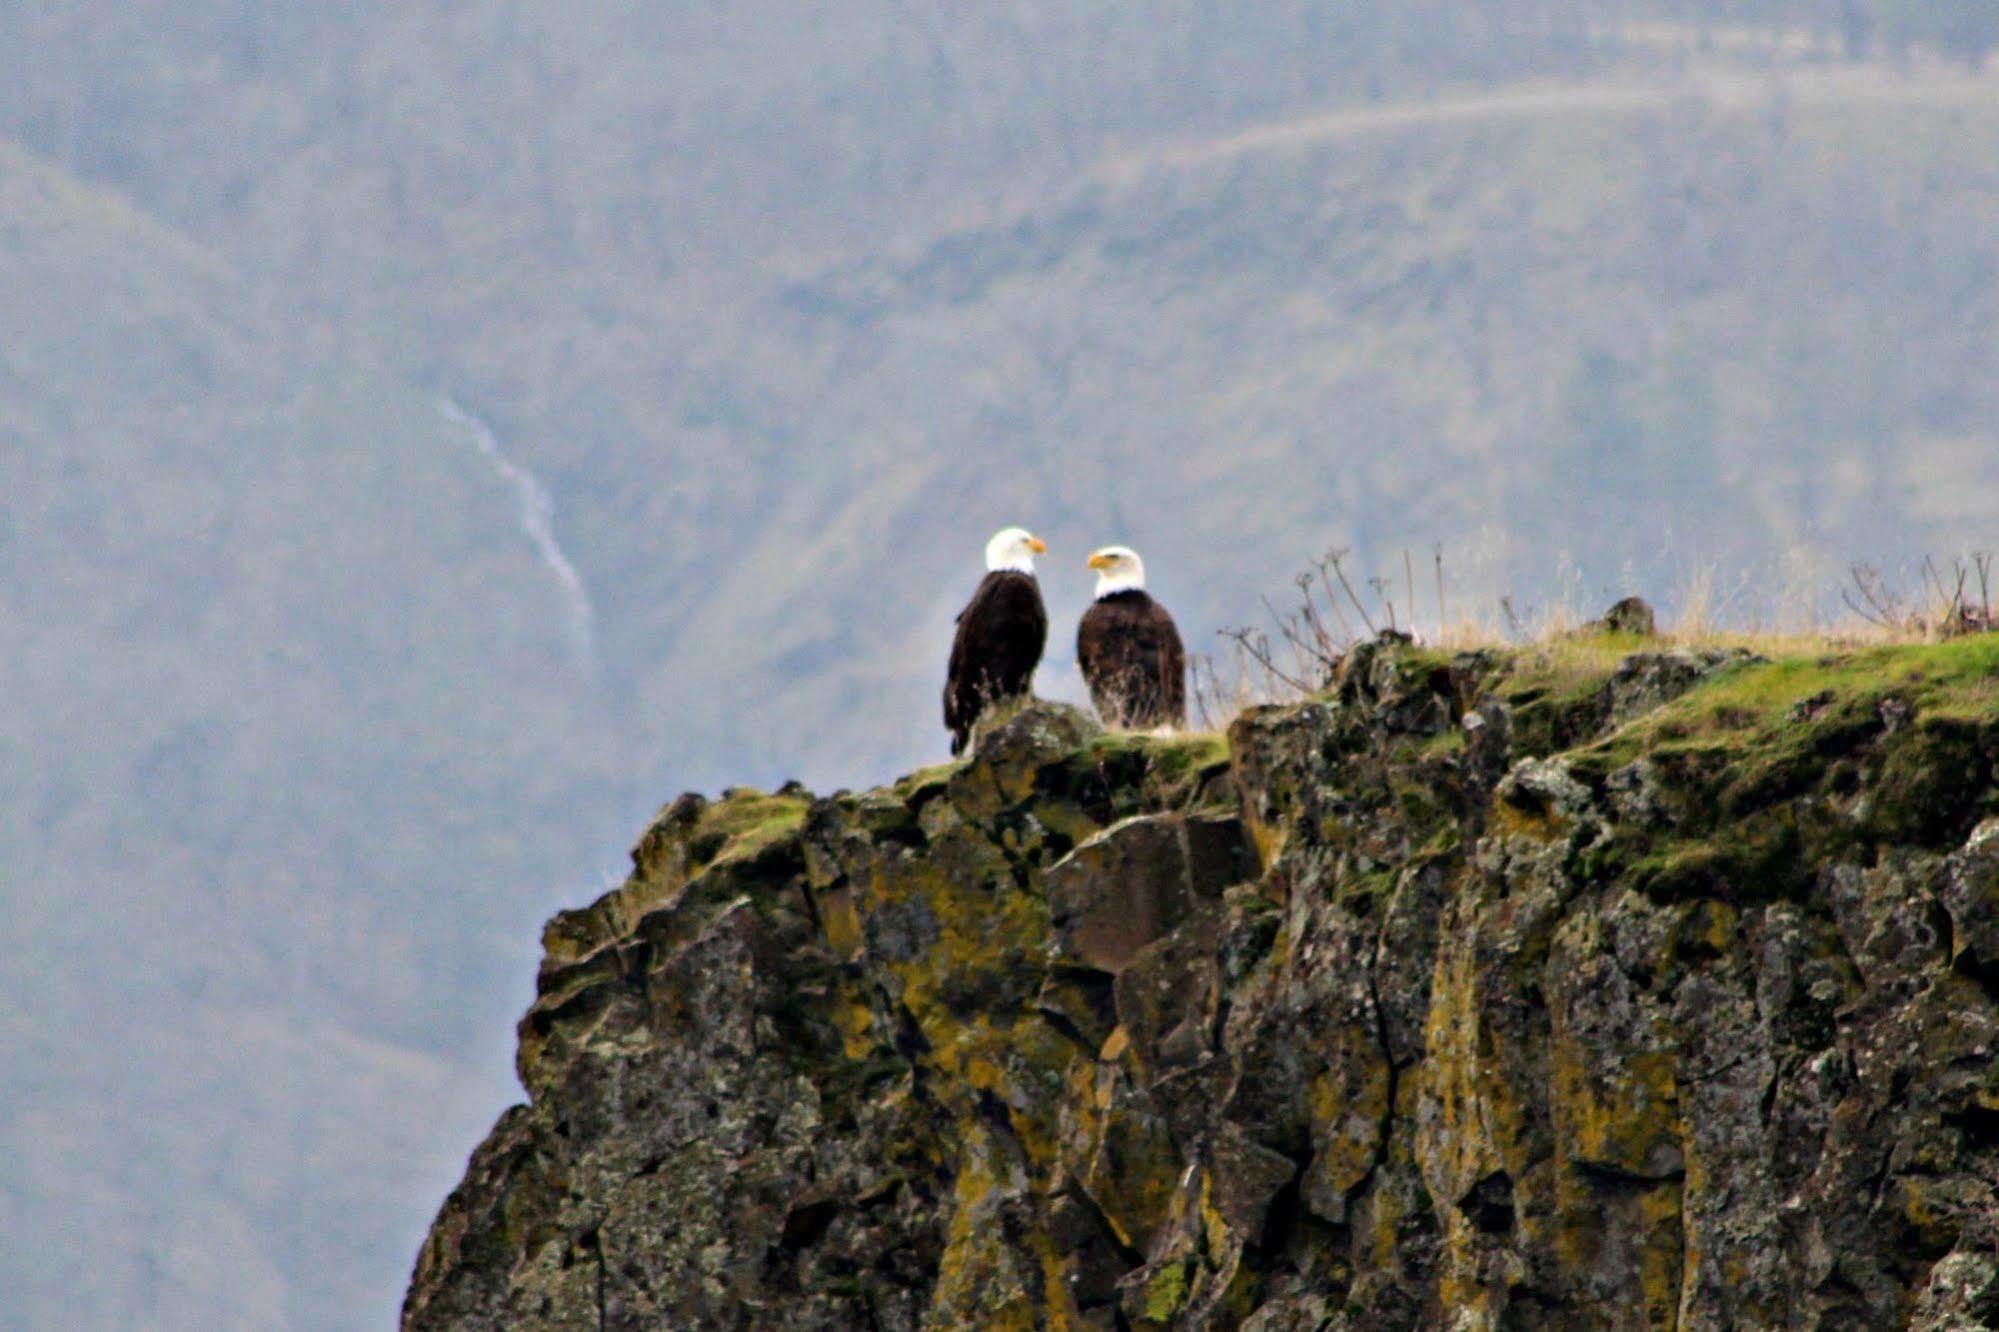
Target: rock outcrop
<point>1542,989</point>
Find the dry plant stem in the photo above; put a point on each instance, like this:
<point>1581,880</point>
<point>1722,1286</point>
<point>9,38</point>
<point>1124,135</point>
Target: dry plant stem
<point>1878,605</point>
<point>1443,618</point>
<point>1333,603</point>
<point>1323,642</point>
<point>1295,678</point>
<point>1330,646</point>
<point>1947,602</point>
<point>1409,587</point>
<point>1203,690</point>
<point>1945,606</point>
<point>1333,558</point>
<point>1380,586</point>
<point>1935,580</point>
<point>1256,647</point>
<point>1301,650</point>
<point>1287,626</point>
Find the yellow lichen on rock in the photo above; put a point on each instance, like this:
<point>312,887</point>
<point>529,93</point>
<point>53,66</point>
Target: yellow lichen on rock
<point>1666,996</point>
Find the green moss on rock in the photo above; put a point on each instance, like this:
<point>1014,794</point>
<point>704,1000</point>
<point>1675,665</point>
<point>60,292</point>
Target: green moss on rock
<point>1560,987</point>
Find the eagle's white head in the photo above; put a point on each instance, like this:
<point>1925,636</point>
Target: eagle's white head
<point>1013,549</point>
<point>1118,570</point>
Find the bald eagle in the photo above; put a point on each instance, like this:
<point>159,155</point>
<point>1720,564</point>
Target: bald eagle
<point>1129,649</point>
<point>1001,633</point>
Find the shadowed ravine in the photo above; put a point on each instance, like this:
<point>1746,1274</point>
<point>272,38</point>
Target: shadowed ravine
<point>1555,988</point>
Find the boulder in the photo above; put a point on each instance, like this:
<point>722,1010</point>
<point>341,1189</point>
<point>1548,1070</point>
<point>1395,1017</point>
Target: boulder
<point>1133,882</point>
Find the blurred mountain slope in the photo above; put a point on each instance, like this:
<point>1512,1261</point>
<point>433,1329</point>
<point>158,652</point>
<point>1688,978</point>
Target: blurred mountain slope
<point>789,305</point>
<point>284,746</point>
<point>1652,333</point>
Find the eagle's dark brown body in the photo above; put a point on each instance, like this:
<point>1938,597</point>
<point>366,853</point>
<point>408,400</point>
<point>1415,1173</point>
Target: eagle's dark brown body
<point>1133,662</point>
<point>1001,633</point>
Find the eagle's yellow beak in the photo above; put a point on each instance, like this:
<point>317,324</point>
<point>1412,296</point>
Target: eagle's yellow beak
<point>1100,561</point>
<point>1037,545</point>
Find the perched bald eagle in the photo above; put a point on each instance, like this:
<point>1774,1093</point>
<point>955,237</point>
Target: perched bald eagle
<point>1001,633</point>
<point>1129,649</point>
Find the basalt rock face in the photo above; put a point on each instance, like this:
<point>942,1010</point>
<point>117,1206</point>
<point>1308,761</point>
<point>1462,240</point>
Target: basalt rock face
<point>1498,990</point>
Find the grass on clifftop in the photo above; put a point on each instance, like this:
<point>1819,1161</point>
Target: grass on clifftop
<point>1953,680</point>
<point>1777,701</point>
<point>745,821</point>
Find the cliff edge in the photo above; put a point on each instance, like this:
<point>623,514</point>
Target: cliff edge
<point>1572,987</point>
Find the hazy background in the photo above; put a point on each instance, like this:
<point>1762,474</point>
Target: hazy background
<point>307,716</point>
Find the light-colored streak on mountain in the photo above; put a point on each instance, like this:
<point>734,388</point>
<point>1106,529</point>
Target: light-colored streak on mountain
<point>537,519</point>
<point>1734,91</point>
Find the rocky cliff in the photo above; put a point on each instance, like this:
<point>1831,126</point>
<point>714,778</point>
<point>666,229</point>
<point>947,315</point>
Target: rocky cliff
<point>1559,988</point>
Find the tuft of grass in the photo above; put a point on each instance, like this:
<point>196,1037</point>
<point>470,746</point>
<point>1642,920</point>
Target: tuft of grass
<point>1913,721</point>
<point>1958,678</point>
<point>1174,765</point>
<point>937,774</point>
<point>1298,653</point>
<point>1176,750</point>
<point>745,822</point>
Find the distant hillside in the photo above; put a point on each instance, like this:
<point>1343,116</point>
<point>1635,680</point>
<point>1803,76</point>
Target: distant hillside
<point>1637,332</point>
<point>788,307</point>
<point>284,750</point>
<point>742,284</point>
